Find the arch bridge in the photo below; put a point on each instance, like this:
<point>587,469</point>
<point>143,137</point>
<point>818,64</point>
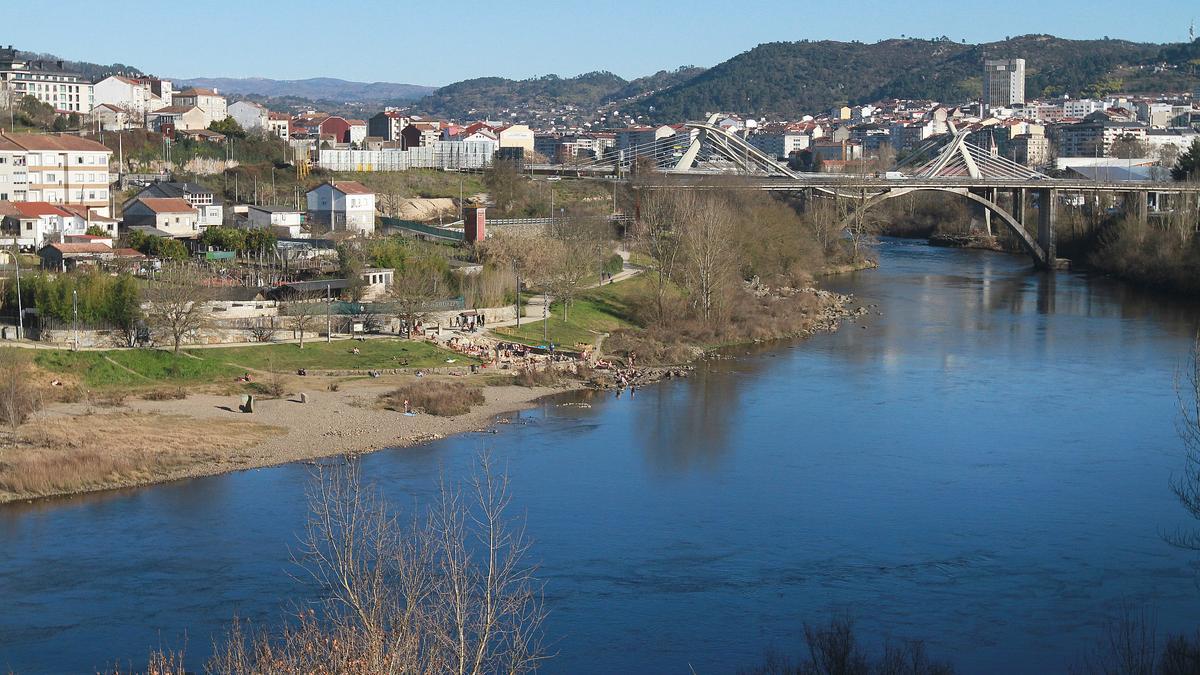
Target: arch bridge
<point>952,166</point>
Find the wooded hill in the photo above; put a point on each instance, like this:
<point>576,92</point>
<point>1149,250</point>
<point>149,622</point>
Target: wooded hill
<point>794,78</point>
<point>489,97</point>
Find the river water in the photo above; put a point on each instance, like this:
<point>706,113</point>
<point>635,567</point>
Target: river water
<point>984,466</point>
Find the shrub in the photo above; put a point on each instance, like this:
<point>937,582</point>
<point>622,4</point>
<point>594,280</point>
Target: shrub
<point>111,399</point>
<point>18,398</point>
<point>445,399</point>
<point>614,264</point>
<point>537,377</point>
<point>165,394</point>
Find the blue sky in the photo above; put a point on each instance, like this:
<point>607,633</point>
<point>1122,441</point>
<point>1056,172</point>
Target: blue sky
<point>367,40</point>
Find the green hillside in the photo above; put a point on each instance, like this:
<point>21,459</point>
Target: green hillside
<point>793,78</point>
<point>491,96</point>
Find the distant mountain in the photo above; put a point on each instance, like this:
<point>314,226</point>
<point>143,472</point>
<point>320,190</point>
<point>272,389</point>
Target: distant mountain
<point>789,79</point>
<point>314,89</point>
<point>492,96</point>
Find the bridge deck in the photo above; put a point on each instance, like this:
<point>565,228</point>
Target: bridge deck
<point>880,184</point>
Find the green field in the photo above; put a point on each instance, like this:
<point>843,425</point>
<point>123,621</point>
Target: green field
<point>373,355</point>
<point>145,368</point>
<point>600,310</point>
<point>112,369</point>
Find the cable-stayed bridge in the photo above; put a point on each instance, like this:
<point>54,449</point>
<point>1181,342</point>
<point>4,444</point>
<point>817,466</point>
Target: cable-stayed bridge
<point>710,156</point>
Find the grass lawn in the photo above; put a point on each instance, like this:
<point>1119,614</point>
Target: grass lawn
<point>98,370</point>
<point>600,310</point>
<point>373,354</point>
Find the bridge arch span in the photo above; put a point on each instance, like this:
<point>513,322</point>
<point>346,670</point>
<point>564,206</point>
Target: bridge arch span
<point>1027,242</point>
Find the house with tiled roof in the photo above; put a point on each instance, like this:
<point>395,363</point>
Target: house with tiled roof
<point>172,215</point>
<point>342,206</point>
<point>54,168</point>
<point>70,255</point>
<point>34,224</point>
<point>208,204</point>
<point>211,103</point>
<point>179,117</point>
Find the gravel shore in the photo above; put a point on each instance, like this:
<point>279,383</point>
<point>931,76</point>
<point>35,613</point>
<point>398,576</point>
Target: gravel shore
<point>330,423</point>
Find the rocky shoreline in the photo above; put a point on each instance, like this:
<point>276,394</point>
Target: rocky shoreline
<point>327,423</point>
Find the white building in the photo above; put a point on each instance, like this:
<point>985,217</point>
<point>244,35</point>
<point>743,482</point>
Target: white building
<point>136,96</point>
<point>207,100</point>
<point>343,205</point>
<point>472,154</point>
<point>264,217</point>
<point>36,224</point>
<point>51,168</point>
<point>172,216</point>
<point>1081,108</point>
<point>47,81</point>
<point>279,124</point>
<point>249,115</point>
<point>111,118</point>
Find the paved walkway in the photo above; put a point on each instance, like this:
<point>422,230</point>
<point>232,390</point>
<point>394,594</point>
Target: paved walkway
<point>535,307</point>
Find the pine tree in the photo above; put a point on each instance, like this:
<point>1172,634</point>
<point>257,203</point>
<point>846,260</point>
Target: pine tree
<point>1187,167</point>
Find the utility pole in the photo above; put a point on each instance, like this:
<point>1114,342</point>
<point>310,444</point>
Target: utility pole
<point>20,311</point>
<point>75,315</point>
<point>328,315</point>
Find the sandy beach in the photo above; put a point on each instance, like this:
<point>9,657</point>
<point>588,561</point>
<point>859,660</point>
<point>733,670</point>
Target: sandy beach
<point>80,448</point>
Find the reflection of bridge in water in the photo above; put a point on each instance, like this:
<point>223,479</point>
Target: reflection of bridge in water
<point>697,160</point>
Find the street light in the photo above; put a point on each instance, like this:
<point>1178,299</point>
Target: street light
<point>75,315</point>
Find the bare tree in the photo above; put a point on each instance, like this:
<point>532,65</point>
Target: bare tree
<point>301,315</point>
<point>18,398</point>
<point>574,251</point>
<point>657,230</point>
<point>862,226</point>
<point>177,304</point>
<point>1186,486</point>
<point>706,234</point>
<point>450,592</point>
<point>414,288</point>
<point>261,330</point>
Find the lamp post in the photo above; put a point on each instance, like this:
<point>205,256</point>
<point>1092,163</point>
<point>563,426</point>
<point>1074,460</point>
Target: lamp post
<point>75,315</point>
<point>20,311</point>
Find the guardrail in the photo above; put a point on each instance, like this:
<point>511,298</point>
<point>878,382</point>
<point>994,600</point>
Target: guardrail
<point>422,229</point>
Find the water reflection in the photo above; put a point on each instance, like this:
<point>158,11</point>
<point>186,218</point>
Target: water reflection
<point>982,464</point>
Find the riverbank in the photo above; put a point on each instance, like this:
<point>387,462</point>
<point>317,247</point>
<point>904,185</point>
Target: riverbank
<point>74,448</point>
<point>189,425</point>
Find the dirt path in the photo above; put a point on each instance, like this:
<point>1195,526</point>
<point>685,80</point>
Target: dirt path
<point>128,370</point>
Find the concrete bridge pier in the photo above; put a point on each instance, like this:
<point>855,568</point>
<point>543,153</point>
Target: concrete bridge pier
<point>1045,233</point>
<point>1018,205</point>
<point>990,195</point>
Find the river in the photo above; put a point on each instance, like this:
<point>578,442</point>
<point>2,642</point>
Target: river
<point>983,465</point>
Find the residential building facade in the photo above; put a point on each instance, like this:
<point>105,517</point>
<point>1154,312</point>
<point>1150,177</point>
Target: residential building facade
<point>60,169</point>
<point>210,209</point>
<point>342,206</point>
<point>1003,82</point>
<point>169,216</point>
<point>249,115</point>
<point>47,81</point>
<point>211,103</point>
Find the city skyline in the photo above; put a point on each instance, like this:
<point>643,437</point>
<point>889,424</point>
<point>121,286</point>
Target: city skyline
<point>546,38</point>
